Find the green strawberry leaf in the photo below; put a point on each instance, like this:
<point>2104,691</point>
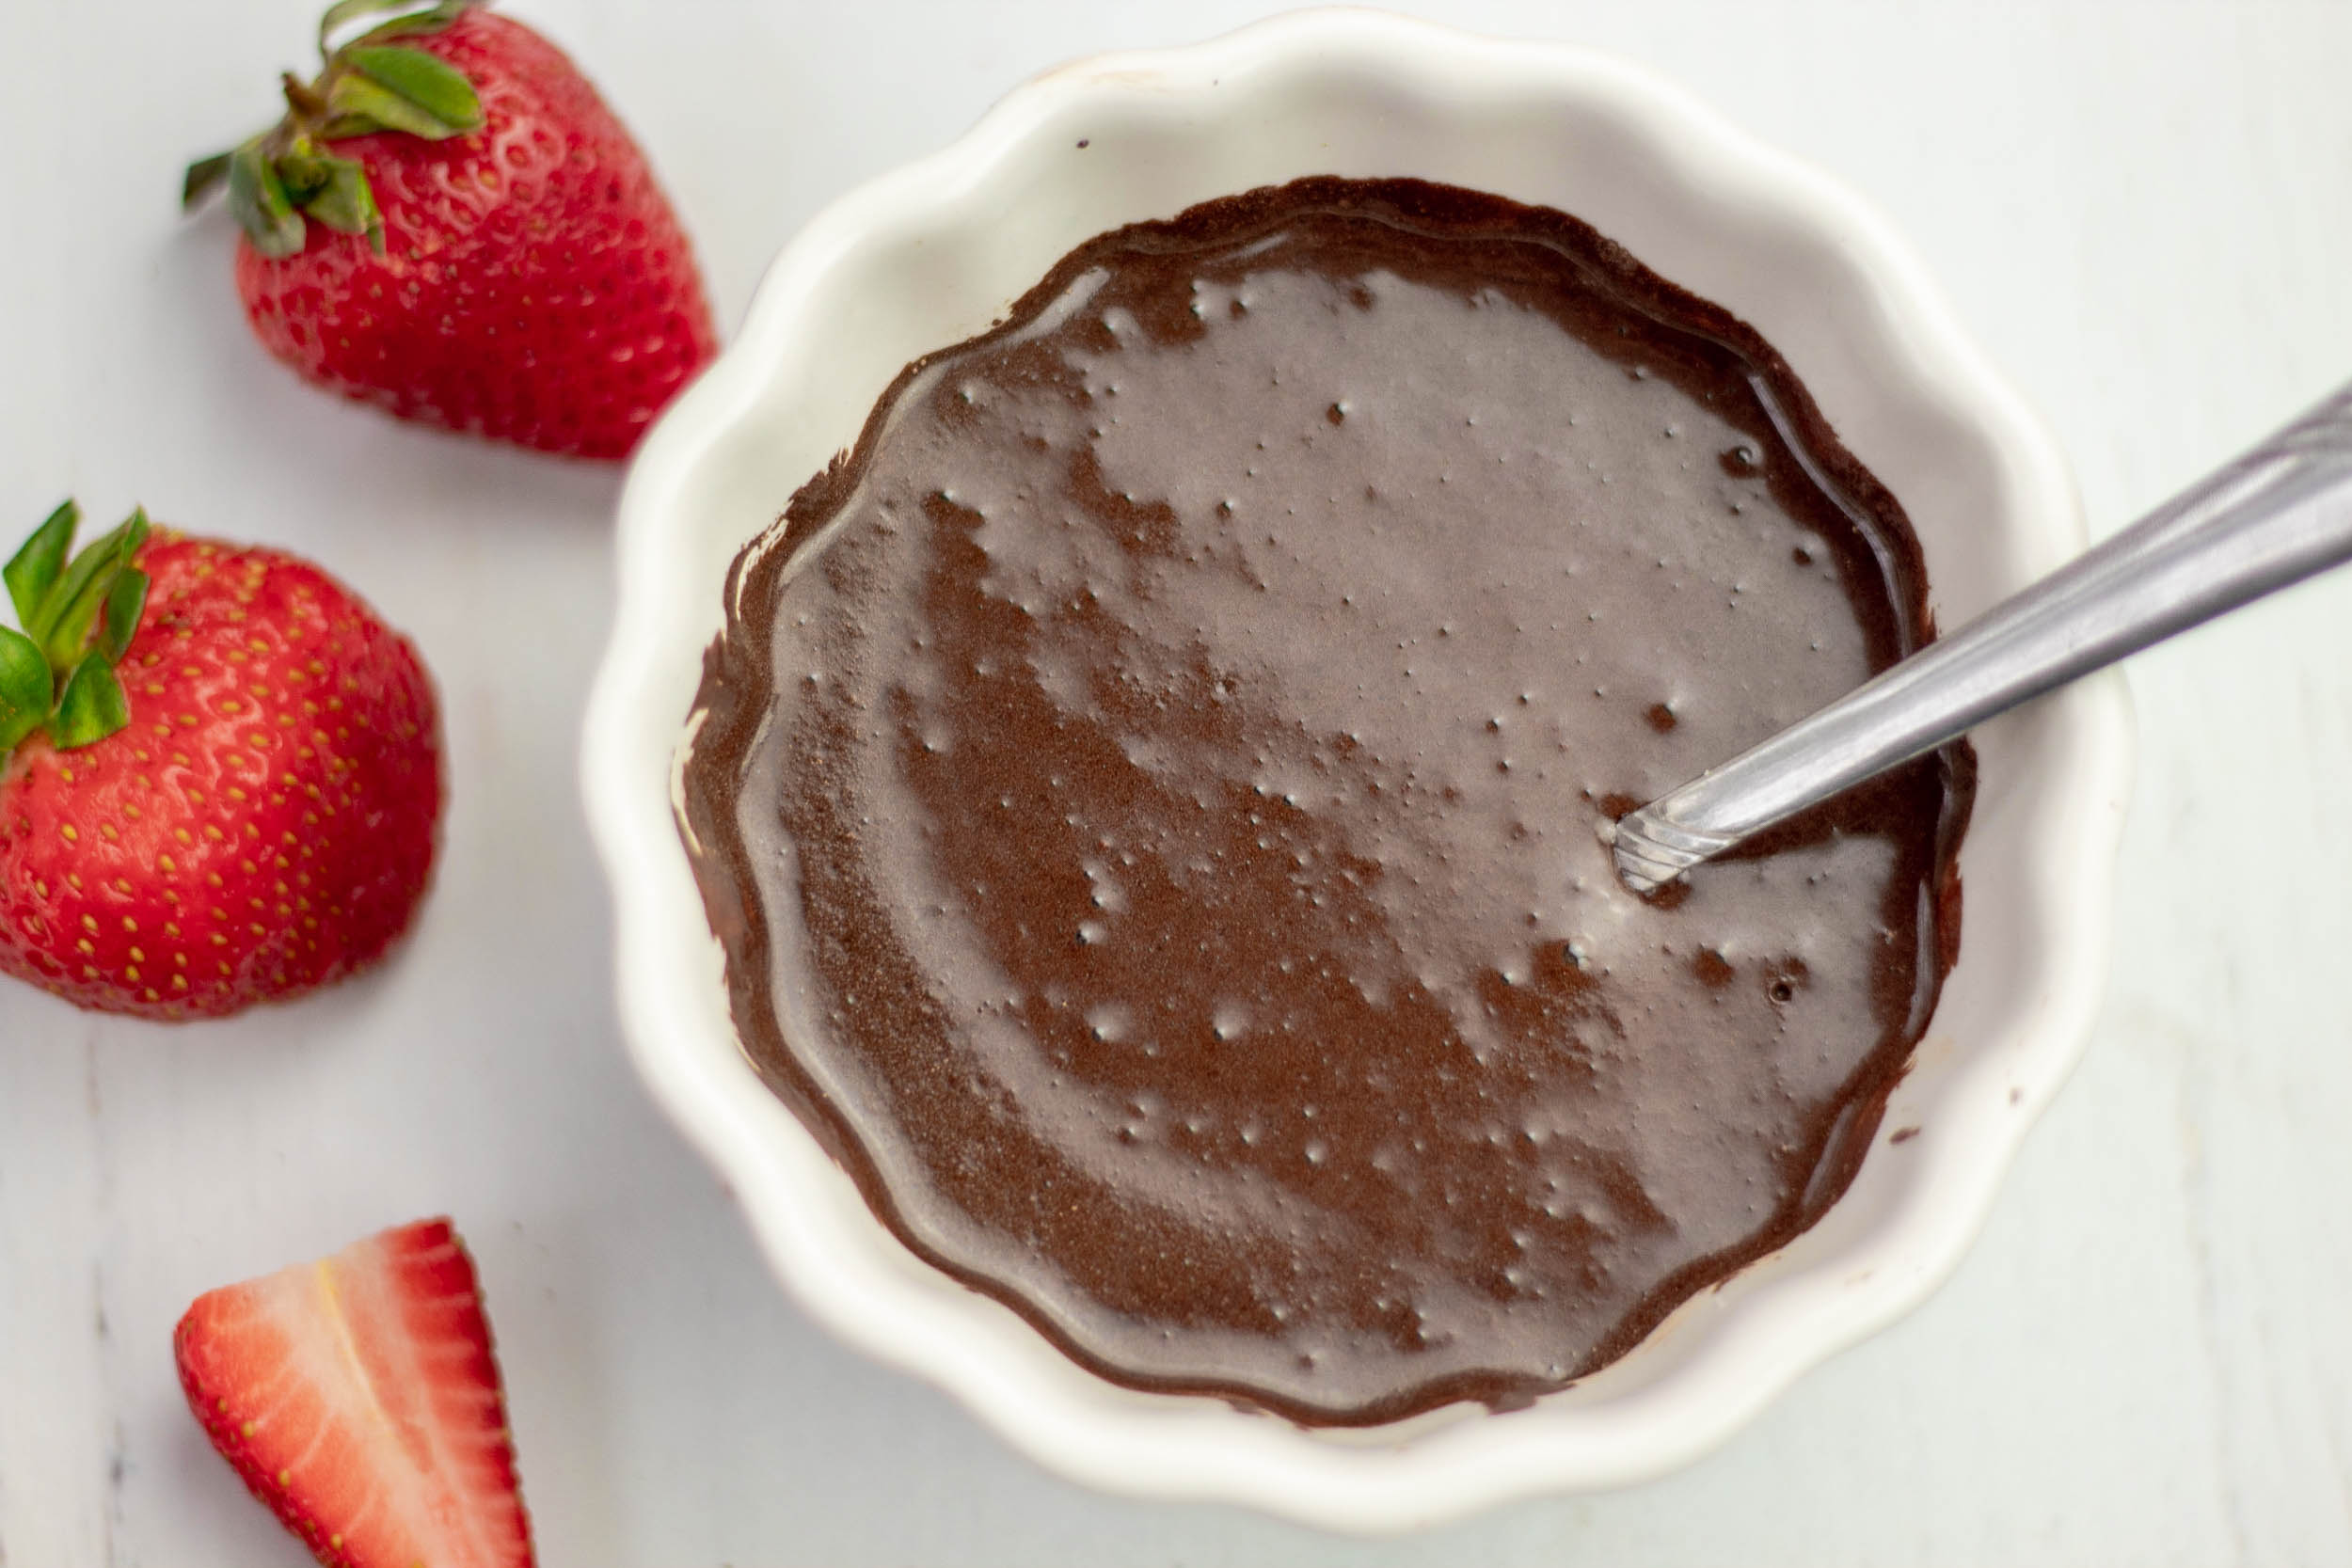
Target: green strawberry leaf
<point>25,689</point>
<point>92,707</point>
<point>428,20</point>
<point>204,177</point>
<point>35,569</point>
<point>348,125</point>
<point>345,202</point>
<point>347,11</point>
<point>60,603</point>
<point>360,93</point>
<point>304,171</point>
<point>418,23</point>
<point>432,83</point>
<point>258,199</point>
<point>363,97</point>
<point>126,601</point>
<point>62,625</point>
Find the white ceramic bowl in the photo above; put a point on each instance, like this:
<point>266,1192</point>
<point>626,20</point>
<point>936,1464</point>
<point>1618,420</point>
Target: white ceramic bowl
<point>932,254</point>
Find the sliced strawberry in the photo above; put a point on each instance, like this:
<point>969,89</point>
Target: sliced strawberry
<point>358,1396</point>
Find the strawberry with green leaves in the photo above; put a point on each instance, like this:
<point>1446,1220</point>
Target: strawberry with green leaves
<point>449,224</point>
<point>220,774</point>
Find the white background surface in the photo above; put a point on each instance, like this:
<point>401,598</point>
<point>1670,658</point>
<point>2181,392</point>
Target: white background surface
<point>2142,209</point>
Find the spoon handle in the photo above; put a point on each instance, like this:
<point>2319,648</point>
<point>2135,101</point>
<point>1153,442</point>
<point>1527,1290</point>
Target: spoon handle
<point>2274,516</point>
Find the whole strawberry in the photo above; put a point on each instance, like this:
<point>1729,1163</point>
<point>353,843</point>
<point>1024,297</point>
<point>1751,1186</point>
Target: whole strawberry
<point>220,774</point>
<point>449,224</point>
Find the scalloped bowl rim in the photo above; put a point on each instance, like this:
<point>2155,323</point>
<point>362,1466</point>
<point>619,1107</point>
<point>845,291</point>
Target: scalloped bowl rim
<point>1658,1408</point>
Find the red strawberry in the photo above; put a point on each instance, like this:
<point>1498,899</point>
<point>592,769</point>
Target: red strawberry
<point>226,780</point>
<point>359,1398</point>
<point>449,224</point>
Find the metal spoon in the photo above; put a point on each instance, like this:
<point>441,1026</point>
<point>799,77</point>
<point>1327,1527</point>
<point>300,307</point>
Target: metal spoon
<point>2278,514</point>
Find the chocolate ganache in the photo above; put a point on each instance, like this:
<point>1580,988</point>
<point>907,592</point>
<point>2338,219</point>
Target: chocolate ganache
<point>1147,793</point>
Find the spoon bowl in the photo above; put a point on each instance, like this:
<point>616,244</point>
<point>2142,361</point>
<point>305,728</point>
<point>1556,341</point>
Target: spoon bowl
<point>2275,515</point>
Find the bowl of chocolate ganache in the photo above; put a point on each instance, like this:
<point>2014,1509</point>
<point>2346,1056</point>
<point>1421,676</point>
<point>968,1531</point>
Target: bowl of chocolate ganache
<point>1117,671</point>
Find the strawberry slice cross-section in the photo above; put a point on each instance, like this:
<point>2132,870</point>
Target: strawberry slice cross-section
<point>359,1398</point>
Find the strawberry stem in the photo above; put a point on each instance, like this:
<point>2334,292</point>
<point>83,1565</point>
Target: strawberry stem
<point>368,84</point>
<point>306,105</point>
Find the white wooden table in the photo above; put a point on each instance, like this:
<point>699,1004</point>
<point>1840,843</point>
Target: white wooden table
<point>2143,209</point>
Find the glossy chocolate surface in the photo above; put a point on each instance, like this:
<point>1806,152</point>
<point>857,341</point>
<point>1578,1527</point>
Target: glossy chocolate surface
<point>1148,798</point>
